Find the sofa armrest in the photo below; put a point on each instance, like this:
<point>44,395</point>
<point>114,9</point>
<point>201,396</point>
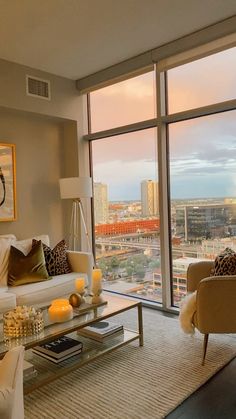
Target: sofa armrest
<point>81,262</point>
<point>216,309</point>
<point>196,272</point>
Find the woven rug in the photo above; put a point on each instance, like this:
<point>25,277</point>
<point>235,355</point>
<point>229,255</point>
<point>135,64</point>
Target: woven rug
<point>135,382</point>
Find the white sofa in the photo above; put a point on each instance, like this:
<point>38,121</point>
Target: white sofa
<point>39,293</point>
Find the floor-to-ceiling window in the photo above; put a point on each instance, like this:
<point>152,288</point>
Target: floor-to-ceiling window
<point>127,213</point>
<point>126,197</point>
<point>202,159</point>
<point>164,179</point>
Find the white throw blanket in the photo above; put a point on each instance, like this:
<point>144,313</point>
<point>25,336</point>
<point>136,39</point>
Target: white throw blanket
<point>187,310</point>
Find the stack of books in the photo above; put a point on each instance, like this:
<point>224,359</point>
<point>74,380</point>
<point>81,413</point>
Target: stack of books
<point>28,370</point>
<point>100,331</point>
<point>60,349</point>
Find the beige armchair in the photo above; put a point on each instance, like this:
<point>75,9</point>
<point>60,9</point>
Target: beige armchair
<point>11,384</point>
<point>216,301</point>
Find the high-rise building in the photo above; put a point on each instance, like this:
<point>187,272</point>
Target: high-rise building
<point>100,203</point>
<point>210,221</point>
<point>149,198</point>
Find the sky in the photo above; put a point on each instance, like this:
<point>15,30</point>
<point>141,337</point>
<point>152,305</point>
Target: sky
<point>202,150</point>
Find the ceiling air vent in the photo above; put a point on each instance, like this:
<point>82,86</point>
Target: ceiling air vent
<point>38,87</point>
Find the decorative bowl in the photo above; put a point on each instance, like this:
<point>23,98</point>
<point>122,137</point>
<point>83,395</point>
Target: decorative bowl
<point>22,321</point>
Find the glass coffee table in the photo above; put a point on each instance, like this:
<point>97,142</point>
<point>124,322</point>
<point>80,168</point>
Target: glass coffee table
<point>86,315</point>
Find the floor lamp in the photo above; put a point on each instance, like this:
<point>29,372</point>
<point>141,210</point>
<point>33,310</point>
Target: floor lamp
<point>76,188</point>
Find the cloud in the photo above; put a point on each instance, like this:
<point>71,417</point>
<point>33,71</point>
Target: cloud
<point>202,150</point>
<point>140,145</point>
<point>123,103</point>
<point>192,85</point>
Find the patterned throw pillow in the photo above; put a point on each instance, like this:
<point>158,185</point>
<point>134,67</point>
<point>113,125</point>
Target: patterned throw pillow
<point>225,263</point>
<point>56,259</point>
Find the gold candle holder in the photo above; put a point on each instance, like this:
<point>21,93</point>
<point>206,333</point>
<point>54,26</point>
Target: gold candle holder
<point>80,288</point>
<point>22,321</point>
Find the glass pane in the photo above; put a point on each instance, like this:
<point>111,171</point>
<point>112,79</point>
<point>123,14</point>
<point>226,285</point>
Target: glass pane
<point>202,82</point>
<point>127,214</point>
<point>123,103</point>
<point>203,191</point>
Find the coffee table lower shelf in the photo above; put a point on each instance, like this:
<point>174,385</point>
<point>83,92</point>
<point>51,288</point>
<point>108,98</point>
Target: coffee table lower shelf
<point>47,371</point>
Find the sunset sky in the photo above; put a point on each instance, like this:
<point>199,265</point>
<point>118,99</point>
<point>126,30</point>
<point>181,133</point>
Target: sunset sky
<point>202,151</point>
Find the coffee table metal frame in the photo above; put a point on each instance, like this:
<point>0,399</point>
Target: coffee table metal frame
<point>47,370</point>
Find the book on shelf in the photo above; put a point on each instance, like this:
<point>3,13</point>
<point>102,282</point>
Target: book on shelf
<point>60,347</point>
<point>57,360</point>
<point>101,330</point>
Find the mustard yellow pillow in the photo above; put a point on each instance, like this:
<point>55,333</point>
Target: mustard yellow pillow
<point>27,269</point>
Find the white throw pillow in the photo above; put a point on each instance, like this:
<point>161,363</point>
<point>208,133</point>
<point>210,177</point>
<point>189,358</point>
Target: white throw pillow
<point>26,245</point>
<point>5,244</point>
<point>8,236</point>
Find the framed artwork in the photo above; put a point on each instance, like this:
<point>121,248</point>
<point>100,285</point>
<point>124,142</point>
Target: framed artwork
<point>7,182</point>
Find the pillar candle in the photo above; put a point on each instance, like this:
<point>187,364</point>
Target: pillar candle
<point>96,280</point>
<point>79,285</point>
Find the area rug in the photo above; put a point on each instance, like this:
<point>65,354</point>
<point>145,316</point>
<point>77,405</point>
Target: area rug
<point>135,382</point>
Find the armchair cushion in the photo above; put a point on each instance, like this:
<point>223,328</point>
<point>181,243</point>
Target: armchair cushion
<point>196,272</point>
<point>6,401</point>
<point>11,384</point>
<point>216,312</point>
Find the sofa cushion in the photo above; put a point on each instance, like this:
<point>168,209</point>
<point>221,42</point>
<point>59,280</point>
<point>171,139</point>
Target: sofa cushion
<point>41,293</point>
<point>25,269</point>
<point>5,245</point>
<point>26,245</point>
<point>7,300</point>
<point>56,258</point>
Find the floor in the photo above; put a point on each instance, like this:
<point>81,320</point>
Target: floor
<point>216,399</point>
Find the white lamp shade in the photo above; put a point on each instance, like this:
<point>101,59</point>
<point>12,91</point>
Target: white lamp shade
<point>76,187</point>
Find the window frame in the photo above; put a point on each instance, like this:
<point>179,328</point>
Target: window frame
<point>161,123</point>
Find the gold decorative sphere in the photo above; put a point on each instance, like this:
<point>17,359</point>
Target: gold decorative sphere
<point>75,300</point>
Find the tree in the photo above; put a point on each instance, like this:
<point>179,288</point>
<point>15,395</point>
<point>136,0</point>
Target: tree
<point>129,270</point>
<point>154,264</point>
<point>140,271</point>
<point>114,263</point>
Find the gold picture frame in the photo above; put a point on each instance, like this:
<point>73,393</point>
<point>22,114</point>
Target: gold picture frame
<point>7,182</point>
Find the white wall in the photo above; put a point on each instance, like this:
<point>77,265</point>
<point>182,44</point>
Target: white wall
<point>46,136</point>
<point>44,153</point>
<point>64,101</point>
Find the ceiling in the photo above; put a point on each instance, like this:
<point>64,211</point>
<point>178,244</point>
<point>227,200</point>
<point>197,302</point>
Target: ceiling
<point>75,38</point>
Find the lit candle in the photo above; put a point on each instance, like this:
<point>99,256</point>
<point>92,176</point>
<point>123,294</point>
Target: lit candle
<point>60,311</point>
<point>96,280</point>
<point>80,285</point>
